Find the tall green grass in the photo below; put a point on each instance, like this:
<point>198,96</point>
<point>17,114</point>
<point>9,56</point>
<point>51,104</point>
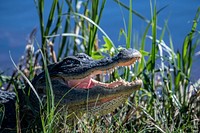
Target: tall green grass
<point>162,70</point>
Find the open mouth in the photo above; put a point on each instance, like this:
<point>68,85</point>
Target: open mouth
<point>90,81</point>
<point>80,71</point>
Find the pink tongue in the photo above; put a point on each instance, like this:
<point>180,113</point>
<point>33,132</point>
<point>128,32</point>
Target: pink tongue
<point>88,83</point>
<point>82,83</point>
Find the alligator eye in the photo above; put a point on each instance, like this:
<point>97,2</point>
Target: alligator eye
<point>71,62</point>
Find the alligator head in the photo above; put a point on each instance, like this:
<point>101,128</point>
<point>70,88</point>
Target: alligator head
<point>74,84</point>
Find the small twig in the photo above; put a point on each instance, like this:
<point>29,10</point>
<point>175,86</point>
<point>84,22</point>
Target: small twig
<point>53,54</point>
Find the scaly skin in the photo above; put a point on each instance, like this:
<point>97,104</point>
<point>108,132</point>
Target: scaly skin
<point>76,89</point>
<point>72,81</point>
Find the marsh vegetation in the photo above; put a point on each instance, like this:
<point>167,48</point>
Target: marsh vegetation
<point>169,101</point>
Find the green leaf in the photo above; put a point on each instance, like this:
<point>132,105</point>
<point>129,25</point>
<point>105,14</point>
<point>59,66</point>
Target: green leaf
<point>108,44</point>
<point>144,53</point>
<point>97,55</point>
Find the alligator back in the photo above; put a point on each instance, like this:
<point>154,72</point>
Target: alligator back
<point>7,107</point>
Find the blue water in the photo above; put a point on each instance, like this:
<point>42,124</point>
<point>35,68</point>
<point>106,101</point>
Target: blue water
<point>17,19</point>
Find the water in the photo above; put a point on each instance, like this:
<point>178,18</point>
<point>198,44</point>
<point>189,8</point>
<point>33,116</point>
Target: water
<point>19,18</point>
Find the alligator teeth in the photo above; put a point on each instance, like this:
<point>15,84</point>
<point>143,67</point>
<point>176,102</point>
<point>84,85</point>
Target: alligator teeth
<point>105,75</point>
<point>110,71</point>
<point>132,74</point>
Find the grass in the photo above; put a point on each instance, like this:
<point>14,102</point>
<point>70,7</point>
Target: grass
<point>162,70</point>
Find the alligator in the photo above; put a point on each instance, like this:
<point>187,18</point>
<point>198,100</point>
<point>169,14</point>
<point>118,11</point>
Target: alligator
<point>76,88</point>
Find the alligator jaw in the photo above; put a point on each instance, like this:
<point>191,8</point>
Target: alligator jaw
<point>109,99</point>
<point>124,58</point>
<point>78,71</point>
<point>82,66</point>
<point>98,100</point>
<point>90,82</point>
